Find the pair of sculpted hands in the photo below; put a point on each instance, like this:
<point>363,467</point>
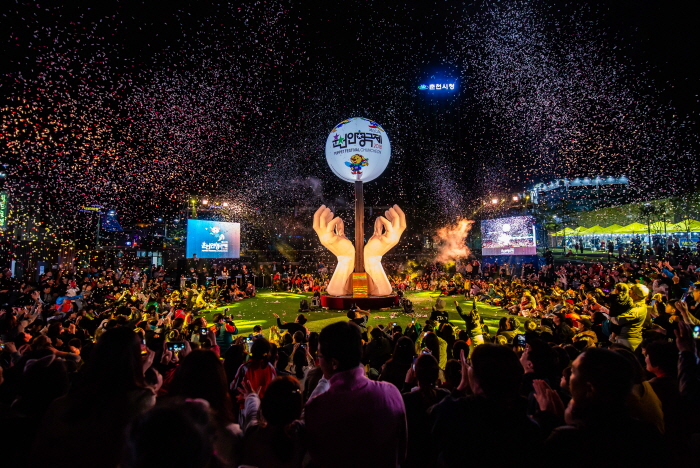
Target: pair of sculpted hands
<point>387,233</point>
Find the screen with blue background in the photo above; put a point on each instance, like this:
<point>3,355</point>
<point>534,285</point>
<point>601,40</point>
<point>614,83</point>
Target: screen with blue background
<point>213,239</point>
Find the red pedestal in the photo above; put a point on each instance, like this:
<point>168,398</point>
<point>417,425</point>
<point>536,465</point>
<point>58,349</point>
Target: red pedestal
<point>364,303</point>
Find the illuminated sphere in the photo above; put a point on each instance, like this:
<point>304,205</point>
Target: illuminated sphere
<point>358,149</point>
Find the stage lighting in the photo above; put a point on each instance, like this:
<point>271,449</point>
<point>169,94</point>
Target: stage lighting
<point>494,201</point>
<point>515,198</point>
<point>205,202</point>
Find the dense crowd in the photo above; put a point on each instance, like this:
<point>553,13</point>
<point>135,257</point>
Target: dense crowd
<point>589,365</point>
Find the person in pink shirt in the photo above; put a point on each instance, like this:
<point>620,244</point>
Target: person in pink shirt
<point>357,421</point>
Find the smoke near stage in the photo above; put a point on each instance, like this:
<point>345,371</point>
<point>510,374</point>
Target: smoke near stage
<point>450,241</point>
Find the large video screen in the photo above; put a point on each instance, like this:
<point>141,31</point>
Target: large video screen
<point>508,236</point>
<point>213,239</point>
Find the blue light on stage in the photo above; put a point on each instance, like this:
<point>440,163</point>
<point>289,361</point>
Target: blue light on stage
<point>437,87</point>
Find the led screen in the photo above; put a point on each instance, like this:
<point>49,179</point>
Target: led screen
<point>508,236</point>
<point>213,239</point>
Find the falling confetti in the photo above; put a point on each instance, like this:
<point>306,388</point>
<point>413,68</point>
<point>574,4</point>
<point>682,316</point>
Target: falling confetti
<point>142,107</point>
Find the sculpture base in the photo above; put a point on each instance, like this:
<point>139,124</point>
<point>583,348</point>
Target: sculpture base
<point>364,303</point>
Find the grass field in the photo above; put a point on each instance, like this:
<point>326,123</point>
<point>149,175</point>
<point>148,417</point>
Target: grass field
<point>258,311</point>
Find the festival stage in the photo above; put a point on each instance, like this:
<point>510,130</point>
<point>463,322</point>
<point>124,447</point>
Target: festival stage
<point>364,303</point>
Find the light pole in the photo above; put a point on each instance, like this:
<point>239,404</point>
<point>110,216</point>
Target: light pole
<point>647,210</point>
<point>565,219</point>
<point>97,231</point>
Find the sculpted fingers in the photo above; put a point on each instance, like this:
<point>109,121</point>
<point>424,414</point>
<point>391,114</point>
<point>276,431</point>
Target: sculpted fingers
<point>385,222</point>
<point>340,228</point>
<point>334,225</point>
<point>402,217</point>
<point>317,217</point>
<point>393,217</point>
<point>378,227</point>
<point>326,218</point>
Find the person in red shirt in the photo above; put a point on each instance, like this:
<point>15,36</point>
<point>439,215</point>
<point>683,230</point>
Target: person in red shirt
<point>257,373</point>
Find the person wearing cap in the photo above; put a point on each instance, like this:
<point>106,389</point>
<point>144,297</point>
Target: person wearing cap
<point>439,314</point>
<point>562,331</point>
<point>585,332</point>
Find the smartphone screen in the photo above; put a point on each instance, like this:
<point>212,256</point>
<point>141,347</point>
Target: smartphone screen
<point>176,346</point>
<point>203,331</point>
<point>696,332</point>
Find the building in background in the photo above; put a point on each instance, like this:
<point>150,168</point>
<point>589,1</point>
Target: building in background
<point>582,193</point>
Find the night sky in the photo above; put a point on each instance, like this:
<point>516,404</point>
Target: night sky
<point>139,106</point>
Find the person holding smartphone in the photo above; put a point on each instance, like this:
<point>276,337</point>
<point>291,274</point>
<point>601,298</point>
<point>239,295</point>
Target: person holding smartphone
<point>198,330</point>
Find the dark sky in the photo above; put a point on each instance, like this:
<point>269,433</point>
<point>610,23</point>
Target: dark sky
<point>141,105</point>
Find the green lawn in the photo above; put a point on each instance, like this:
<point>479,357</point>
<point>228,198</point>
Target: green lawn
<point>258,311</point>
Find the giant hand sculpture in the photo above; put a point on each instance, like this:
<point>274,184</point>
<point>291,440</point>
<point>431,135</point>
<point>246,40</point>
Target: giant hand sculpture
<point>387,233</point>
<point>331,233</point>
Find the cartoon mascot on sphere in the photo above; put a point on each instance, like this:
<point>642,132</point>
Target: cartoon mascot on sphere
<point>356,163</point>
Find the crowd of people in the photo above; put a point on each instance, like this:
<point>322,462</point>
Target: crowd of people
<point>590,365</point>
<point>631,246</point>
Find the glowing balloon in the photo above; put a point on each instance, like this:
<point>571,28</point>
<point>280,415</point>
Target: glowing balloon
<point>358,149</point>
